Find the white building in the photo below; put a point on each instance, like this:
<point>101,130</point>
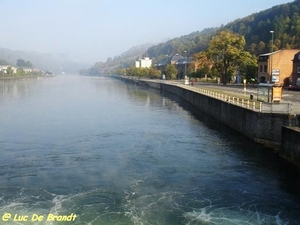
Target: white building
<point>144,63</point>
<point>4,68</point>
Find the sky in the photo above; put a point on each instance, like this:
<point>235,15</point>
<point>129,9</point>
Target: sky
<point>92,30</point>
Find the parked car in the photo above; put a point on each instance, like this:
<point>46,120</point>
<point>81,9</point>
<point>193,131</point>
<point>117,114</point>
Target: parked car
<point>294,88</point>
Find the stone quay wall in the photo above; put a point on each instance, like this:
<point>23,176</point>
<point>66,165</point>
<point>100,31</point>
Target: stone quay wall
<point>270,129</point>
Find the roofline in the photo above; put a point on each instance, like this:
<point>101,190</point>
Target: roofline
<point>270,53</point>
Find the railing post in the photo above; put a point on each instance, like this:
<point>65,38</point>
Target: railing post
<point>260,106</point>
<point>271,107</point>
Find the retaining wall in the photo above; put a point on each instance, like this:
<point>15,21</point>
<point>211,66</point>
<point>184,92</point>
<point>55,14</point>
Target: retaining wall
<point>264,128</point>
<point>268,129</point>
<point>291,144</point>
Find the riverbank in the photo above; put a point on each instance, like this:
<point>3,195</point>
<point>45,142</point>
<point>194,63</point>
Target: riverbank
<point>21,77</point>
<point>264,127</point>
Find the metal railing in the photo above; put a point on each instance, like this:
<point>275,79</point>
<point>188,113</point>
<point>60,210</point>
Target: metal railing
<point>265,107</point>
<point>242,102</point>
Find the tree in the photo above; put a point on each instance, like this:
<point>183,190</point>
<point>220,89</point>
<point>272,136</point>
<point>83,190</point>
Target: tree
<point>154,73</point>
<point>28,64</point>
<point>9,71</point>
<point>226,50</point>
<point>171,71</point>
<point>22,63</point>
<point>248,66</point>
<point>20,72</point>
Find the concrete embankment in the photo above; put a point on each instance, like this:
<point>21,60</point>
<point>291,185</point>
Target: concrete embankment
<point>21,77</point>
<point>261,127</point>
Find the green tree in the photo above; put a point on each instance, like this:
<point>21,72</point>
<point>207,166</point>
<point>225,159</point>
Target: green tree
<point>248,66</point>
<point>9,71</point>
<point>28,64</point>
<point>171,71</point>
<point>154,73</point>
<point>226,50</point>
<point>20,72</point>
<point>20,63</point>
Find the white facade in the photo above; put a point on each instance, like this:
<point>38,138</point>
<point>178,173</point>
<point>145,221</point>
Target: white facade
<point>4,68</point>
<point>144,63</point>
<point>137,64</point>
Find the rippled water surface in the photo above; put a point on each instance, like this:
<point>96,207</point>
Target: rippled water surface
<point>113,153</point>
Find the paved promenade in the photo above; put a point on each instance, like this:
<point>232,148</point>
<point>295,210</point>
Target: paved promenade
<point>239,91</point>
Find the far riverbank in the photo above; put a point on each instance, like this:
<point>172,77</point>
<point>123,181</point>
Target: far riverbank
<point>21,77</point>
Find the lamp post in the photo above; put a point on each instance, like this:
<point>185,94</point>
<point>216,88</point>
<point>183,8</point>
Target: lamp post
<point>271,58</point>
<point>185,63</point>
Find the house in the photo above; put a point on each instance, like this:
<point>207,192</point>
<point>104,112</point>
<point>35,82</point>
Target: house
<point>27,69</point>
<point>180,62</point>
<point>276,67</point>
<point>176,57</point>
<point>3,69</point>
<point>182,66</point>
<point>295,81</point>
<point>144,63</point>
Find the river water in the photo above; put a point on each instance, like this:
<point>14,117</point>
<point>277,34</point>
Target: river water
<point>95,150</point>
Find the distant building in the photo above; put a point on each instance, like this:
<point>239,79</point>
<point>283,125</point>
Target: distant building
<point>3,68</point>
<point>27,69</point>
<point>276,67</point>
<point>176,58</point>
<point>144,63</point>
<point>182,65</point>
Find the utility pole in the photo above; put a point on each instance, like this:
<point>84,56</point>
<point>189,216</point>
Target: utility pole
<point>271,58</point>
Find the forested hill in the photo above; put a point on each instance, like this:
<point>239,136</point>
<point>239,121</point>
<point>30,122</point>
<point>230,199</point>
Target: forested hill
<point>283,19</point>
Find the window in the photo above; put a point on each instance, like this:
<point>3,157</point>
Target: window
<point>298,70</point>
<point>265,68</point>
<point>260,68</point>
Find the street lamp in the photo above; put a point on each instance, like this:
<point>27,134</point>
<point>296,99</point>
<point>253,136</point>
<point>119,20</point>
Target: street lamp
<point>185,63</point>
<point>271,58</point>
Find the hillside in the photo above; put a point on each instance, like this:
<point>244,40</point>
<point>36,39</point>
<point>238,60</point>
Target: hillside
<point>124,60</point>
<point>56,63</point>
<point>283,19</point>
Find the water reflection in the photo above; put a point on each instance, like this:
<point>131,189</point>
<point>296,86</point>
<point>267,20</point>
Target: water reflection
<point>115,153</point>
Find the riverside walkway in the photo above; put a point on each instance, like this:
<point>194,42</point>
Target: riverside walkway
<point>239,95</point>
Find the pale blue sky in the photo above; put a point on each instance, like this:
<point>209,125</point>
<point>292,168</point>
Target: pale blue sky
<point>92,30</point>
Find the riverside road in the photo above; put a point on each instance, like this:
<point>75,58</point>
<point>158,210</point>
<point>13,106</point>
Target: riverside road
<point>288,96</point>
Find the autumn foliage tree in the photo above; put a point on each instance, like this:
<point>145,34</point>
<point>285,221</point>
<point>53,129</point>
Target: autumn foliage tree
<point>226,51</point>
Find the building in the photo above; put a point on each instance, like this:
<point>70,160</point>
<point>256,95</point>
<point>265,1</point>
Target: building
<point>144,63</point>
<point>276,67</point>
<point>176,57</point>
<point>3,68</point>
<point>295,81</point>
<point>182,66</point>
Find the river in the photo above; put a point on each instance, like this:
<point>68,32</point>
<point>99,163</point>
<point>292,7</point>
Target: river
<point>94,150</point>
